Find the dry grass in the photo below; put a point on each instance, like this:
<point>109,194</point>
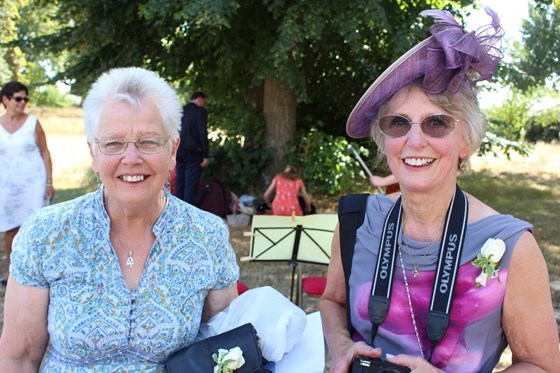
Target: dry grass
<point>68,121</point>
<point>542,160</point>
<point>528,188</point>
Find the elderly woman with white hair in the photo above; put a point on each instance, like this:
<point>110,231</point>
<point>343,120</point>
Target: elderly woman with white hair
<point>118,279</point>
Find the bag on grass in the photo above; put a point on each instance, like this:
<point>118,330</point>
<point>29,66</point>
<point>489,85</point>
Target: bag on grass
<point>214,197</point>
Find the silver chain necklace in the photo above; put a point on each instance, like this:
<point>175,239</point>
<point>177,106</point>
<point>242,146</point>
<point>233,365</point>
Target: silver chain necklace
<point>415,271</point>
<point>130,260</point>
<point>410,304</point>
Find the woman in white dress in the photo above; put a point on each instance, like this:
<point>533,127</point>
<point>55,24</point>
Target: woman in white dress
<point>25,161</point>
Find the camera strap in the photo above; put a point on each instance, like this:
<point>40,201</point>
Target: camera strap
<point>450,251</point>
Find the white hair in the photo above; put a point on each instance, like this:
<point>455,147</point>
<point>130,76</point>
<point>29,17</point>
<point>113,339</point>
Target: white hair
<point>133,85</point>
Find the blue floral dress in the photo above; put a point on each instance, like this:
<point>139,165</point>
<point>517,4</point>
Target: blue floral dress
<point>95,322</point>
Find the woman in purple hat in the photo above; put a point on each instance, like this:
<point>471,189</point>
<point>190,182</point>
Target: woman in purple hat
<point>436,280</point>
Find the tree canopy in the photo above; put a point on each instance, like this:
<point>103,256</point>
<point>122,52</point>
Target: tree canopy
<point>537,57</point>
<point>272,68</point>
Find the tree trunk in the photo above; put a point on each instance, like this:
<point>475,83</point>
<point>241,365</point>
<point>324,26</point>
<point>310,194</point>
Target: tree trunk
<point>279,110</point>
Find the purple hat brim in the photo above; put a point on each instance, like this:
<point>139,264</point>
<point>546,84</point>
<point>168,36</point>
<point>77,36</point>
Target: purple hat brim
<point>408,67</point>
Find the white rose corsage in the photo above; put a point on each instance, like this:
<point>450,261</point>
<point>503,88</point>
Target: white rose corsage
<point>488,259</point>
<point>228,360</point>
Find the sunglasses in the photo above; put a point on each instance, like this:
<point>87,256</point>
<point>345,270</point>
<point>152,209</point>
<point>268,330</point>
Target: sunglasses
<point>20,99</point>
<point>435,125</point>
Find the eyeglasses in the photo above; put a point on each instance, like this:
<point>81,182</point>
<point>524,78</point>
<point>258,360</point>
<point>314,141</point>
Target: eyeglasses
<point>20,99</point>
<point>436,125</point>
<point>145,144</point>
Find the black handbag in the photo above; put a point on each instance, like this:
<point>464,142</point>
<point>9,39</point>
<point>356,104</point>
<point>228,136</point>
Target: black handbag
<point>198,356</point>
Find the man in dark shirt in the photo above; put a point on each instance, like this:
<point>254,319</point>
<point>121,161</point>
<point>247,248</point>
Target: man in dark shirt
<point>192,154</point>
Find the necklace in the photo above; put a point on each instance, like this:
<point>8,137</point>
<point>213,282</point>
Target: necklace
<point>130,259</point>
<point>415,272</point>
<point>410,304</point>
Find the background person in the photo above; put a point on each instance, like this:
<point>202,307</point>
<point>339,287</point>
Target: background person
<point>424,116</point>
<point>285,189</point>
<point>388,184</point>
<point>382,181</point>
<point>192,154</point>
<point>26,177</point>
<point>118,279</point>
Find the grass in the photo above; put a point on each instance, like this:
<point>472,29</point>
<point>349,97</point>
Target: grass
<point>527,188</point>
<point>72,174</point>
<point>67,121</point>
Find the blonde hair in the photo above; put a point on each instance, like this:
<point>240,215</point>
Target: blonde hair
<point>463,105</point>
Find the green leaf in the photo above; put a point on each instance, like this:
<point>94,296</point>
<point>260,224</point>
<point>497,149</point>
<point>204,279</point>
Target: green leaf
<point>489,269</point>
<point>480,262</point>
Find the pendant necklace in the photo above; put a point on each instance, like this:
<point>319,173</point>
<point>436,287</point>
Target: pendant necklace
<point>130,260</point>
<point>415,271</point>
<point>410,304</point>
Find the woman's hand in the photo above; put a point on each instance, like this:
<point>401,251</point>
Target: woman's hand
<point>415,363</point>
<point>343,355</point>
<point>49,192</point>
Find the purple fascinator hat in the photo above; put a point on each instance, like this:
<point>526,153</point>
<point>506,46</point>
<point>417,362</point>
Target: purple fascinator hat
<point>447,59</point>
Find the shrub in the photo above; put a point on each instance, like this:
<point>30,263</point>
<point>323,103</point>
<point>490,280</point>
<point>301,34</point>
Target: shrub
<point>50,96</point>
<point>545,126</point>
<point>238,153</point>
<point>327,166</point>
<point>496,140</point>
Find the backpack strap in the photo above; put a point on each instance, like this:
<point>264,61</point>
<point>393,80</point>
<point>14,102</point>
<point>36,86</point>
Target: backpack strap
<point>351,212</point>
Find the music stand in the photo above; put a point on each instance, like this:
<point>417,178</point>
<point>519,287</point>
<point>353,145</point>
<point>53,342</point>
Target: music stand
<point>305,239</point>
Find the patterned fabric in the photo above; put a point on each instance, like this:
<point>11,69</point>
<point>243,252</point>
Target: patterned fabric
<point>475,339</point>
<point>23,176</point>
<point>95,322</point>
<point>286,200</point>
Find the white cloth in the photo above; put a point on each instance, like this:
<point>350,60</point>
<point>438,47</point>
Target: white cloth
<point>23,176</point>
<point>308,355</point>
<point>279,322</point>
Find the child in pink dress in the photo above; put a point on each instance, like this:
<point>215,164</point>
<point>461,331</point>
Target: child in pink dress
<point>289,186</point>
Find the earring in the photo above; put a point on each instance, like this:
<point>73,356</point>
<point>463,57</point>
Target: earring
<point>98,180</point>
<point>463,162</point>
<point>167,186</point>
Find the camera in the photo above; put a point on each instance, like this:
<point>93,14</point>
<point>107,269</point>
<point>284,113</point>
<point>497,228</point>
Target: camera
<point>366,365</point>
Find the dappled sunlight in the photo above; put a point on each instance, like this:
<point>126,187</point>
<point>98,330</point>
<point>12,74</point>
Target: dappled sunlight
<point>543,159</point>
<point>70,158</point>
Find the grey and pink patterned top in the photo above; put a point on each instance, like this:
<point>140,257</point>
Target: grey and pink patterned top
<point>95,322</point>
<point>475,339</point>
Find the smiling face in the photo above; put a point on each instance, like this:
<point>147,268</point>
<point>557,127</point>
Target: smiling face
<point>132,178</point>
<point>418,161</point>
